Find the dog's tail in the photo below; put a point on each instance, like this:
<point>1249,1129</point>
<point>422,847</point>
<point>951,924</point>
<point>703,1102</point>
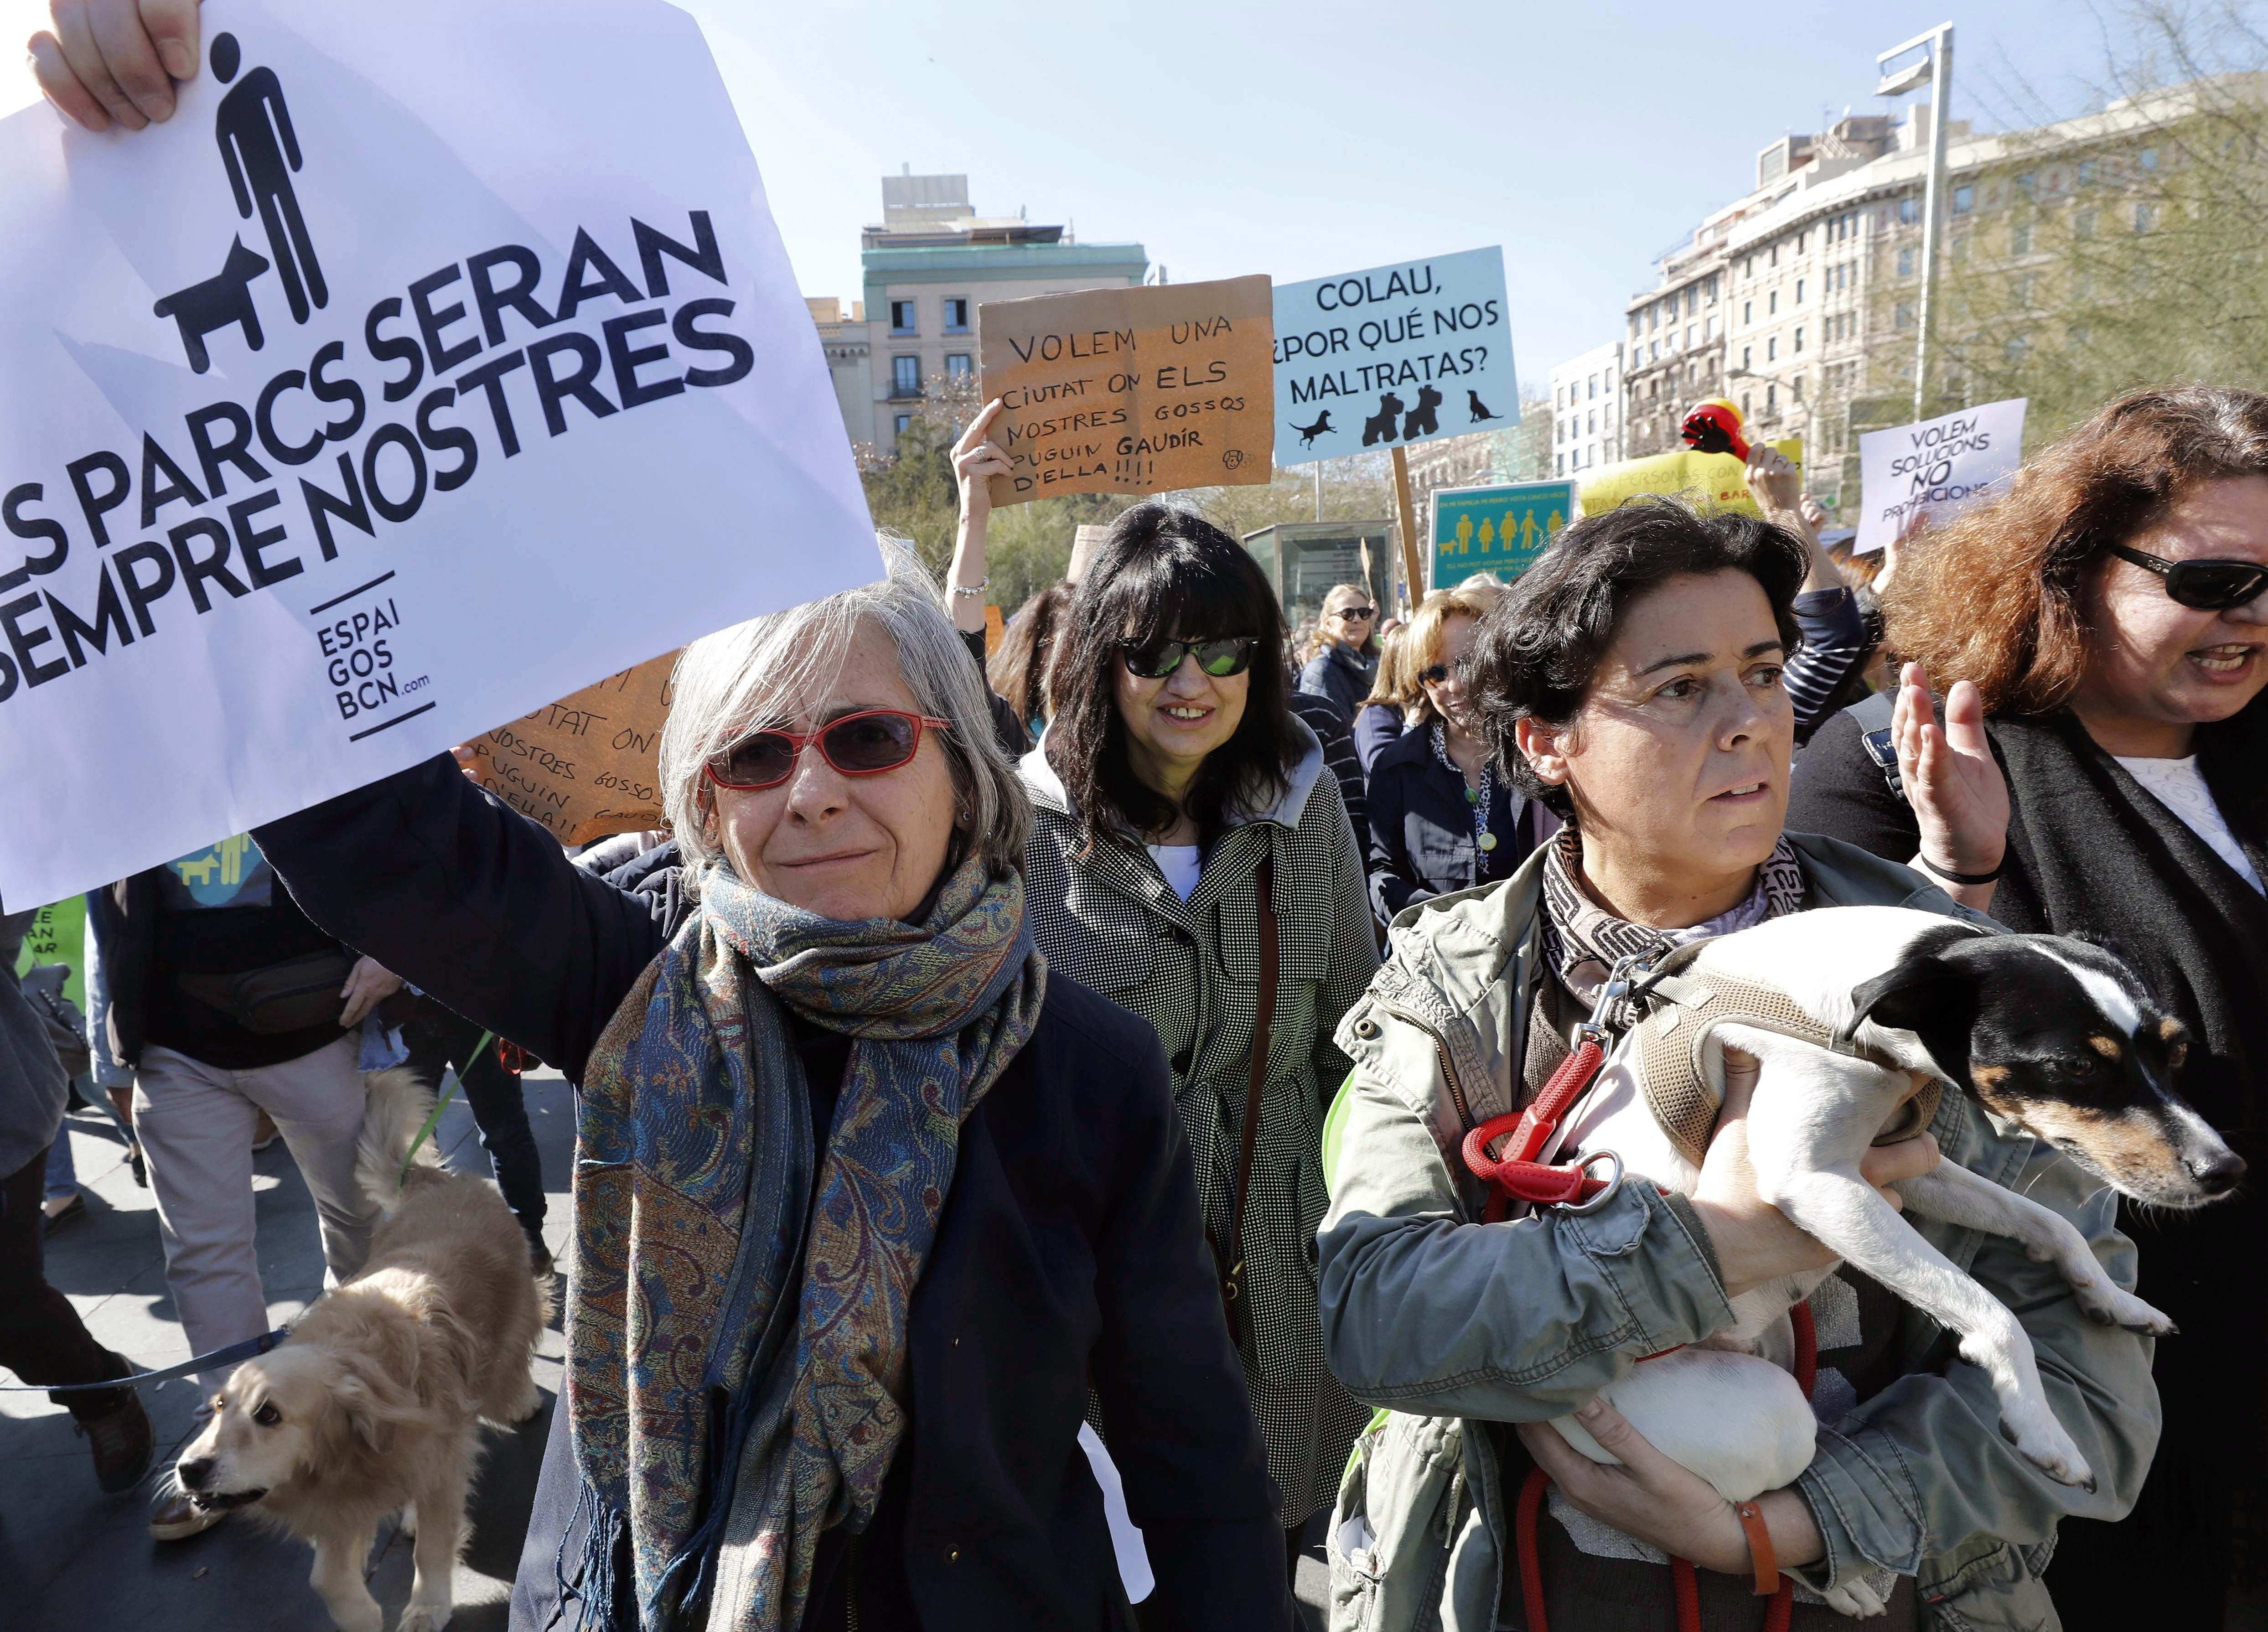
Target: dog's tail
<point>398,1106</point>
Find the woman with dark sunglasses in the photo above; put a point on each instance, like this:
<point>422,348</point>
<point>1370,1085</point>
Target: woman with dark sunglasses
<point>2103,768</point>
<point>1346,654</point>
<point>1191,857</point>
<point>870,1202</point>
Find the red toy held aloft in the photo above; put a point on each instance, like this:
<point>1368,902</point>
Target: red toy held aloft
<point>1714,427</point>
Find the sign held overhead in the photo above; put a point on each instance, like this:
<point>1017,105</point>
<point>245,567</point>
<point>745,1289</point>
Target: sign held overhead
<point>1935,469</point>
<point>1496,529</point>
<point>1394,355</point>
<point>1140,390</point>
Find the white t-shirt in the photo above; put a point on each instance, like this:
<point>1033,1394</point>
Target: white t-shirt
<point>1180,865</point>
<point>2179,785</point>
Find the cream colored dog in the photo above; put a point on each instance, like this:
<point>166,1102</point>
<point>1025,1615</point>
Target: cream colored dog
<point>371,1407</point>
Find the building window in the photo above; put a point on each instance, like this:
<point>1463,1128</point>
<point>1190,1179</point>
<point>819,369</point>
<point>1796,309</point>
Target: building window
<point>1748,311</point>
<point>1772,349</point>
<point>1772,303</point>
<point>1909,210</point>
<point>1772,257</point>
<point>1799,291</point>
<point>1771,401</point>
<point>905,376</point>
<point>1709,330</point>
<point>2148,158</point>
<point>1748,405</point>
<point>2020,238</point>
<point>2086,171</point>
<point>903,420</point>
<point>1964,199</point>
<point>1748,356</point>
<point>1906,317</point>
<point>956,314</point>
<point>1594,386</point>
<point>2142,217</point>
<point>1906,261</point>
<point>2083,224</point>
<point>1798,337</point>
<point>956,365</point>
<point>901,318</point>
<point>2027,182</point>
<point>1591,423</point>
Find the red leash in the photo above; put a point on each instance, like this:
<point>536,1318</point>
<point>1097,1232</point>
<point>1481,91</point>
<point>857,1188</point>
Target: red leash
<point>1517,1176</point>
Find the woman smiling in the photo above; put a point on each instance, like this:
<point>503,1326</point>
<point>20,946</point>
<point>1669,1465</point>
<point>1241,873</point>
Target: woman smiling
<point>1191,858</point>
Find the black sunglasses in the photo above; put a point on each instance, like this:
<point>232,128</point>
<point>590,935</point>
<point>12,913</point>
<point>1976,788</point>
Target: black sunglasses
<point>1437,673</point>
<point>1355,614</point>
<point>1220,656</point>
<point>2207,586</point>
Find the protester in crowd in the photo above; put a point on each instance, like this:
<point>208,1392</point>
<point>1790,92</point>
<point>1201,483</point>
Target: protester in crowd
<point>1827,614</point>
<point>439,1038</point>
<point>1445,819</point>
<point>1394,691</point>
<point>1019,671</point>
<point>1191,859</point>
<point>1322,717</point>
<point>959,1166</point>
<point>2105,635</point>
<point>115,1080</point>
<point>1632,680</point>
<point>1346,655</point>
<point>42,1339</point>
<point>227,1001</point>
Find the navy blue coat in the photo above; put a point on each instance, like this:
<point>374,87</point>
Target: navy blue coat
<point>1421,827</point>
<point>1069,1253</point>
<point>1337,673</point>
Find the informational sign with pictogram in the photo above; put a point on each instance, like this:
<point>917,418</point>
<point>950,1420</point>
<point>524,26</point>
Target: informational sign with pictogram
<point>1501,530</point>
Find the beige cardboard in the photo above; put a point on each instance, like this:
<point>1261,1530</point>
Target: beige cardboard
<point>1143,389</point>
<point>585,766</point>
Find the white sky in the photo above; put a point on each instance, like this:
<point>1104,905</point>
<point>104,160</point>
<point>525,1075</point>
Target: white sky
<point>1300,137</point>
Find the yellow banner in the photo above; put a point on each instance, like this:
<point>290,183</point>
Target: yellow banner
<point>1710,482</point>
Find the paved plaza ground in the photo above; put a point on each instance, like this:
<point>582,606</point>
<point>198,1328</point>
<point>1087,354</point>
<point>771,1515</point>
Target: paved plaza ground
<point>73,1559</point>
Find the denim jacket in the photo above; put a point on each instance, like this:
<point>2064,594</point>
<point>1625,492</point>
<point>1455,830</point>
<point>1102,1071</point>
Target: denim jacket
<point>1445,1323</point>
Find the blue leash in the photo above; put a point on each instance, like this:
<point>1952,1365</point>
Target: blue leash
<point>230,1356</point>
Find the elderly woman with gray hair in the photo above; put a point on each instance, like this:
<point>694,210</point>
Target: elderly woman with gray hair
<point>866,1199</point>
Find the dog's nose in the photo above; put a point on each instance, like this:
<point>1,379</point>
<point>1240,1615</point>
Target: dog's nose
<point>195,1472</point>
<point>2217,1172</point>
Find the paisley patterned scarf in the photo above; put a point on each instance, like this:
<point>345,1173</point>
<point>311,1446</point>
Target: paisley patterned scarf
<point>736,1328</point>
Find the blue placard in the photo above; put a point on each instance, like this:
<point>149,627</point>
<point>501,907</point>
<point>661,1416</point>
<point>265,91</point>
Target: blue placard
<point>1501,530</point>
<point>1393,355</point>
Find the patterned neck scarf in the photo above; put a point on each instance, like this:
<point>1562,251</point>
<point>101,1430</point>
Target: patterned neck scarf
<point>720,1257</point>
<point>1480,798</point>
<point>1582,940</point>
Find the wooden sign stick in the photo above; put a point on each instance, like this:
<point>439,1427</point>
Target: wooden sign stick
<point>1412,572</point>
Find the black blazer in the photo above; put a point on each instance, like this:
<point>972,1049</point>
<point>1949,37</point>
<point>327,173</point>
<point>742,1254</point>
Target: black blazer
<point>1070,1252</point>
<point>1421,829</point>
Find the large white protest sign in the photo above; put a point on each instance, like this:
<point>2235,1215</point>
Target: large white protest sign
<point>1396,354</point>
<point>433,361</point>
<point>1935,467</point>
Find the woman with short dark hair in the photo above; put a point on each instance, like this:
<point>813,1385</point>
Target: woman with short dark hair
<point>1632,680</point>
<point>1191,857</point>
<point>2105,631</point>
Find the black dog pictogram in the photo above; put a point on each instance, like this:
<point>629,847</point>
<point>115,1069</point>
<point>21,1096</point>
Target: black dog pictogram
<point>1423,419</point>
<point>260,151</point>
<point>1380,426</point>
<point>1308,433</point>
<point>217,303</point>
<point>1478,408</point>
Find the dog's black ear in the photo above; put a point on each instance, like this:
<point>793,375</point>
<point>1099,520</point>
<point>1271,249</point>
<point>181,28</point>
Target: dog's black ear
<point>2109,943</point>
<point>1926,992</point>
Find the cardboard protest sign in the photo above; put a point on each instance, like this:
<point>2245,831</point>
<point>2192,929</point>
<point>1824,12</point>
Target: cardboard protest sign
<point>1935,468</point>
<point>1713,481</point>
<point>1139,390</point>
<point>350,412</point>
<point>1397,353</point>
<point>584,765</point>
<point>1498,529</point>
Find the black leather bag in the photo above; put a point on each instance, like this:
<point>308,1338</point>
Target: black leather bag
<point>288,996</point>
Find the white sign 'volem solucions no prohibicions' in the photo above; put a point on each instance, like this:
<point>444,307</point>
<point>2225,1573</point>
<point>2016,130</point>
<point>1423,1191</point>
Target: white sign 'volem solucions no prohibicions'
<point>431,361</point>
<point>1935,468</point>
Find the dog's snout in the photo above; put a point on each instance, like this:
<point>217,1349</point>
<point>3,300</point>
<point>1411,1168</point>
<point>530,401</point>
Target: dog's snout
<point>195,1472</point>
<point>2216,1171</point>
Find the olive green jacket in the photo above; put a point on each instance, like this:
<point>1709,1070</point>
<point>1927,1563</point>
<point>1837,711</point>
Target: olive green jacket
<point>1445,1323</point>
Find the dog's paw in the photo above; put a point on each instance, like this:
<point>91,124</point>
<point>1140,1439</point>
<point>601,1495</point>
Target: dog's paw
<point>2108,1305</point>
<point>2044,1443</point>
<point>1855,1598</point>
<point>425,1617</point>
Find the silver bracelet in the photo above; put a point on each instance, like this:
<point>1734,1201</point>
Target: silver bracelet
<point>977,588</point>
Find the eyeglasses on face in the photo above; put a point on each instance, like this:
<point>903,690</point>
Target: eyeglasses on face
<point>1218,656</point>
<point>2207,586</point>
<point>1356,615</point>
<point>864,743</point>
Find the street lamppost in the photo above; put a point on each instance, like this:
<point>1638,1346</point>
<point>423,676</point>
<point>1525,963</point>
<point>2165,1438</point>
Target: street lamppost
<point>1936,70</point>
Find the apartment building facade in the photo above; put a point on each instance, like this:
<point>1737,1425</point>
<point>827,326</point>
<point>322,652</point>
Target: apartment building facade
<point>1587,411</point>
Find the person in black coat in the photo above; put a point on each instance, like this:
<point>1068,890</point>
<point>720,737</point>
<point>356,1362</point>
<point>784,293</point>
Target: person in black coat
<point>1342,665</point>
<point>1441,819</point>
<point>1068,1253</point>
<point>2103,632</point>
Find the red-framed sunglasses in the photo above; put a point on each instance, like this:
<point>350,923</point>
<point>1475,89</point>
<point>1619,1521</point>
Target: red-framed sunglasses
<point>864,743</point>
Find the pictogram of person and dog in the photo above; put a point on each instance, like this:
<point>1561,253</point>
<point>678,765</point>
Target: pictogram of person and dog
<point>262,151</point>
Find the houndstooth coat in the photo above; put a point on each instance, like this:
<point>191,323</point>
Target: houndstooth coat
<point>1192,969</point>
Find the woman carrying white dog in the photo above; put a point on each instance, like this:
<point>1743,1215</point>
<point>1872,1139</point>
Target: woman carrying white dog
<point>1632,679</point>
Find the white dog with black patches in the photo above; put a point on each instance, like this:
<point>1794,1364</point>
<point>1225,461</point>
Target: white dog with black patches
<point>2053,1033</point>
<point>372,1405</point>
